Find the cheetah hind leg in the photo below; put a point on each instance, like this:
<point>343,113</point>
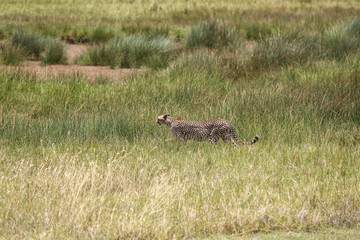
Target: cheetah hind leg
<point>213,139</point>
<point>228,140</point>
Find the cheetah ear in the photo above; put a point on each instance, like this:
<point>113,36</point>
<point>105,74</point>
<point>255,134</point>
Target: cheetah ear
<point>166,115</point>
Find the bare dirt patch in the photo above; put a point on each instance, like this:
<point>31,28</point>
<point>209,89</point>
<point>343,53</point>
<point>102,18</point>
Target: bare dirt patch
<point>73,51</point>
<point>91,72</point>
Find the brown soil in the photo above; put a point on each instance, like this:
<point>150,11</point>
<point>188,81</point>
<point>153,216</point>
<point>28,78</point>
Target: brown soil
<point>73,51</point>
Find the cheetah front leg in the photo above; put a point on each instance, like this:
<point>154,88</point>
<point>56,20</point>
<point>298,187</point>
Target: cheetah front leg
<point>228,140</point>
<point>183,137</point>
<point>213,138</point>
<point>177,133</point>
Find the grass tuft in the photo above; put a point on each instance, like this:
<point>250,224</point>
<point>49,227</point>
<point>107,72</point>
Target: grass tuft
<point>54,52</point>
<point>212,34</point>
<point>35,47</point>
<point>282,51</point>
<point>130,52</point>
<point>11,55</point>
<point>353,27</point>
<point>101,34</point>
<point>31,43</point>
<point>342,39</point>
<point>256,32</point>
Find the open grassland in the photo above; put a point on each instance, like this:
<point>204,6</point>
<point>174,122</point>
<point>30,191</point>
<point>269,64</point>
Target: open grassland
<point>85,159</point>
<point>79,18</point>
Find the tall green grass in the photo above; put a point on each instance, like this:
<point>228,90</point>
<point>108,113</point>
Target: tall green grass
<point>342,39</point>
<point>257,32</point>
<point>101,34</point>
<point>32,43</point>
<point>146,29</point>
<point>281,50</point>
<point>291,96</point>
<point>35,47</point>
<point>84,159</point>
<point>11,55</point>
<point>75,19</point>
<point>131,52</point>
<point>212,34</point>
<point>54,52</point>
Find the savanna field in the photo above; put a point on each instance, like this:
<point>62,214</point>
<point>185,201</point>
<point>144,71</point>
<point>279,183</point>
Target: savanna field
<point>84,158</point>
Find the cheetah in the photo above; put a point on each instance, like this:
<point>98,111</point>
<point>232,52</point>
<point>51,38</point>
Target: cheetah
<point>211,130</point>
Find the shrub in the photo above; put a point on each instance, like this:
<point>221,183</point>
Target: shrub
<point>213,34</point>
<point>11,55</point>
<point>54,52</point>
<point>131,51</point>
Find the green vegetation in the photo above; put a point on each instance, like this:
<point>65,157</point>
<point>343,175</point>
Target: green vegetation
<point>11,55</point>
<point>54,52</point>
<point>257,32</point>
<point>280,51</point>
<point>146,29</point>
<point>342,39</point>
<point>211,34</point>
<point>84,159</point>
<point>78,18</point>
<point>101,34</point>
<point>31,43</point>
<point>34,47</point>
<point>130,52</point>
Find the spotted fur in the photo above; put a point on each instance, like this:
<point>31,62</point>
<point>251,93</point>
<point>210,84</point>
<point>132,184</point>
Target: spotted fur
<point>211,130</point>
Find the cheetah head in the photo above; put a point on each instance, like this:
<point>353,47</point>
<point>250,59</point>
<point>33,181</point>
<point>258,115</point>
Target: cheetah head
<point>162,119</point>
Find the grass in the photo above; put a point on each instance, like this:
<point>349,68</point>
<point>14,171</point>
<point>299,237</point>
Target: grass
<point>54,52</point>
<point>11,55</point>
<point>130,52</point>
<point>101,34</point>
<point>79,18</point>
<point>86,160</point>
<point>342,39</point>
<point>234,55</point>
<point>146,29</point>
<point>81,159</point>
<point>278,51</point>
<point>32,43</point>
<point>35,47</point>
<point>212,34</point>
<point>335,233</point>
<point>257,32</point>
